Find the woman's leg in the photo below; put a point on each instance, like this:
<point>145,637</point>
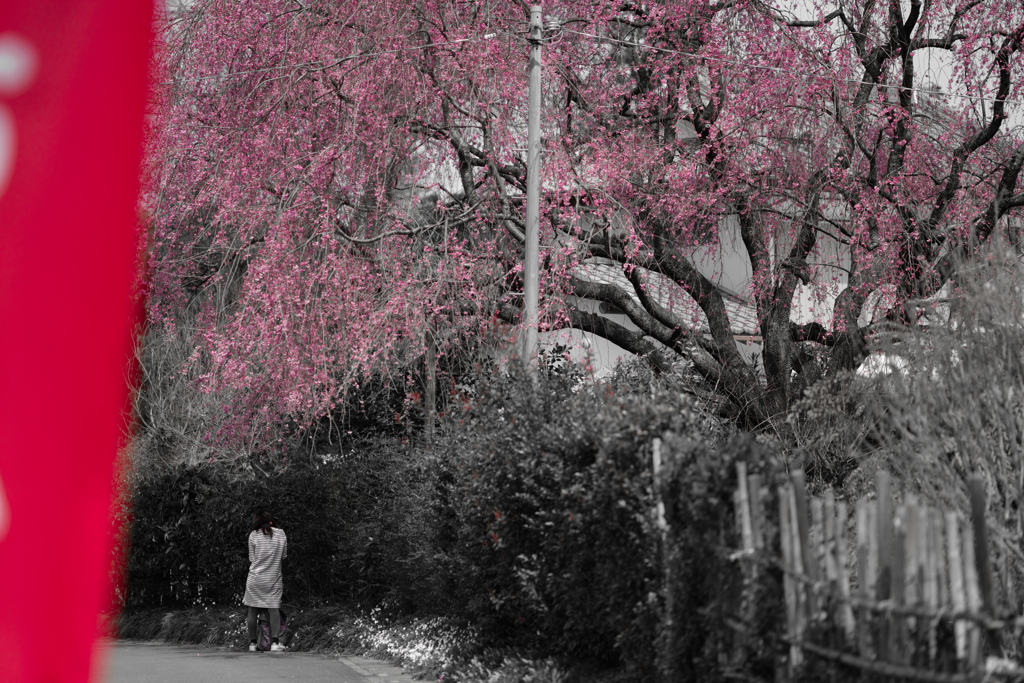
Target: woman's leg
<point>250,622</point>
<point>275,622</point>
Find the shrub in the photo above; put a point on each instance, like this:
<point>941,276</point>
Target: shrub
<point>710,624</point>
<point>351,534</point>
<point>550,494</point>
<point>531,519</point>
<point>956,410</point>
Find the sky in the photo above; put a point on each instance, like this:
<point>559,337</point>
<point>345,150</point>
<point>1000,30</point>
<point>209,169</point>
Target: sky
<point>931,66</point>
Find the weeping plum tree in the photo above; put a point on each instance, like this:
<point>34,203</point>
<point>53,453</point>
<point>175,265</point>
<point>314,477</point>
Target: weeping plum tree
<point>329,179</point>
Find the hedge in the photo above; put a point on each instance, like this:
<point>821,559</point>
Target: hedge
<point>531,519</point>
<point>350,533</point>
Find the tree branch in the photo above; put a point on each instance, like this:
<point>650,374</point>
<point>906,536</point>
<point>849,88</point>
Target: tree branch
<point>811,332</point>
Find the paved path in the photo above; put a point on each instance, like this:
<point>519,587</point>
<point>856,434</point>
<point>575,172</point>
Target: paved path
<point>135,662</point>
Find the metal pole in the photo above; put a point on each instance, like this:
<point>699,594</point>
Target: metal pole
<point>531,259</point>
<point>430,399</point>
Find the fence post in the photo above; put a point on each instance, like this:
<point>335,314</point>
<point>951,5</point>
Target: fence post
<point>743,507</point>
<point>956,582</point>
<point>831,569</point>
<point>666,665</point>
<point>977,490</point>
<point>912,534</point>
<point>941,573</point>
<point>931,558</point>
<point>747,567</point>
<point>802,527</point>
<point>817,539</point>
<point>973,599</point>
<point>865,573</point>
<point>798,544</point>
<point>883,539</point>
<point>896,623</point>
<point>756,510</point>
<point>842,559</point>
<point>789,583</point>
<point>912,589</point>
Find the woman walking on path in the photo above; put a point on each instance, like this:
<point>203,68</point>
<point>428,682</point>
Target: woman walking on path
<point>268,545</point>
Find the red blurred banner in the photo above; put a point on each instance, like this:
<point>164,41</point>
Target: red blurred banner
<point>72,95</point>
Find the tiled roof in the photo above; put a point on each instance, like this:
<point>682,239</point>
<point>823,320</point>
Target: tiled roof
<point>742,314</point>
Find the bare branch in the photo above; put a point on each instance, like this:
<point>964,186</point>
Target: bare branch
<point>408,231</point>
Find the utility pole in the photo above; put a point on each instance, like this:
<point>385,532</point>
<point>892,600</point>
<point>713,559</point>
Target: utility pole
<point>531,260</point>
<point>430,399</point>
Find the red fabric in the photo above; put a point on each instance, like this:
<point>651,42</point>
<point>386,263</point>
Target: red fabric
<point>67,252</point>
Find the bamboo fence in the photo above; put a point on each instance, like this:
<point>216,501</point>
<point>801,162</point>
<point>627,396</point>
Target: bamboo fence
<point>911,599</point>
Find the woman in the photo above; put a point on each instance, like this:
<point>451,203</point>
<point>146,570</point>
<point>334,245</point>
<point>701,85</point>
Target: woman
<point>268,545</point>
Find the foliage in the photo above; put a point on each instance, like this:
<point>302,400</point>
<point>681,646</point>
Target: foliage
<point>351,531</point>
<point>707,601</point>
<point>944,403</point>
<point>173,421</point>
<point>956,409</point>
<point>329,181</point>
<point>532,520</point>
<point>178,423</point>
<point>550,503</point>
<point>831,424</point>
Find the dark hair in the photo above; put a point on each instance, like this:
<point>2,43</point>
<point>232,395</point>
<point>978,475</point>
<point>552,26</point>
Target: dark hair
<point>262,521</point>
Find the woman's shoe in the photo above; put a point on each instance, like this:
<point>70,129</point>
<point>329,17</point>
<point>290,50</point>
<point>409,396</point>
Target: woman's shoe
<point>252,647</point>
<point>277,647</point>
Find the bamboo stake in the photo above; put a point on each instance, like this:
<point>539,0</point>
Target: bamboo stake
<point>1004,573</point>
<point>976,487</point>
<point>984,568</point>
<point>862,548</point>
<point>877,622</point>
<point>932,542</point>
<point>873,548</point>
<point>911,547</point>
<point>669,620</point>
<point>820,549</point>
<point>756,510</point>
<point>802,520</point>
<point>743,506</point>
<point>849,626</point>
<point>788,583</point>
<point>897,625</point>
<point>798,544</point>
<point>974,602</point>
<point>911,591</point>
<point>922,652</point>
<point>807,556</point>
<point>942,580</point>
<point>883,590</point>
<point>818,536</point>
<point>829,527</point>
<point>866,587</point>
<point>786,541</point>
<point>958,595</point>
<point>883,486</point>
<point>656,471</point>
<point>1011,592</point>
<point>737,514</point>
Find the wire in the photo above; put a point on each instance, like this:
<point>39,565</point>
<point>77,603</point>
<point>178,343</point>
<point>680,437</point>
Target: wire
<point>778,69</point>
